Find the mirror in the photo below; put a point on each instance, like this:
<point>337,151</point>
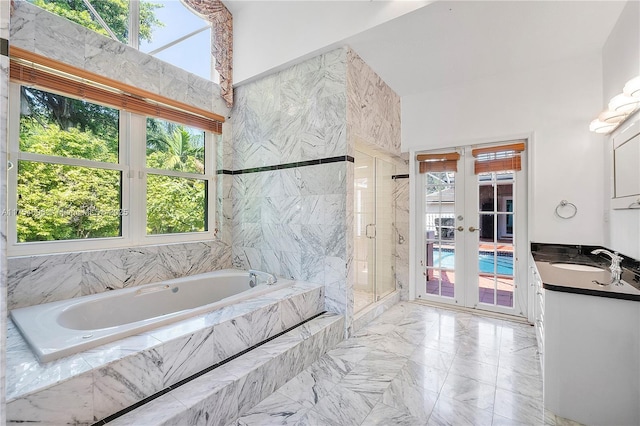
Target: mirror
<point>626,168</point>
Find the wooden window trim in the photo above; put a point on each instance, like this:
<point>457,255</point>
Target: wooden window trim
<point>32,69</point>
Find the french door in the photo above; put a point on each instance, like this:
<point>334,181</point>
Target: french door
<point>472,207</point>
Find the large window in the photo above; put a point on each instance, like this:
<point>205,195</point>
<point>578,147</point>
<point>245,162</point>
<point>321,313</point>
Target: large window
<point>176,187</point>
<point>90,176</point>
<point>166,29</point>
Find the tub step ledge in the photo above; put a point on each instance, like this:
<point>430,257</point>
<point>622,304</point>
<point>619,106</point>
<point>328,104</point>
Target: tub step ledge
<point>227,392</point>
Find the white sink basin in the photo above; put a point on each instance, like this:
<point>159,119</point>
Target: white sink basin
<point>577,267</point>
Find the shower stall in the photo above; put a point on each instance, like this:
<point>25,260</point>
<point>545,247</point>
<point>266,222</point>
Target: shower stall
<point>374,214</point>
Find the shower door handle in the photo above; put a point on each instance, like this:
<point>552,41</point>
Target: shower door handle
<point>368,235</point>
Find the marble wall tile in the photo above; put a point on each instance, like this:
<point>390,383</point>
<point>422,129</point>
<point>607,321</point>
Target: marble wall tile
<point>23,26</point>
<point>46,278</point>
<point>4,90</point>
<point>401,231</point>
<point>373,108</point>
<point>61,39</point>
<point>41,284</point>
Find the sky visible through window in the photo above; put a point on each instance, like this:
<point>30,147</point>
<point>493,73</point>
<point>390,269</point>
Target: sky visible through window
<point>193,54</point>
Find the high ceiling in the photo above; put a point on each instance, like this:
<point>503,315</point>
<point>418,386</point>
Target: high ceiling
<point>447,43</point>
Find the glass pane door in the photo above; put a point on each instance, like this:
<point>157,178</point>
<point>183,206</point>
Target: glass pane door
<point>495,244</point>
<point>440,234</point>
<point>385,236</point>
<point>472,232</point>
<point>364,232</point>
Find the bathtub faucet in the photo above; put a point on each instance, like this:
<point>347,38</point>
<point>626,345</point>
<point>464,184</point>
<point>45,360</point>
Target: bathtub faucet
<point>615,268</point>
<point>253,277</point>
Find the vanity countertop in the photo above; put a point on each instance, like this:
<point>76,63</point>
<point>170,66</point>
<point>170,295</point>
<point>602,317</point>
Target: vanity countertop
<point>552,260</point>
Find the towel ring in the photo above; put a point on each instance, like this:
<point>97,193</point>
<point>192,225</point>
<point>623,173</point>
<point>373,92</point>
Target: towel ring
<point>565,203</point>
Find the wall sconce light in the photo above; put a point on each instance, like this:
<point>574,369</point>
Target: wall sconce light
<point>620,108</point>
<point>599,126</point>
<point>624,103</point>
<point>632,88</point>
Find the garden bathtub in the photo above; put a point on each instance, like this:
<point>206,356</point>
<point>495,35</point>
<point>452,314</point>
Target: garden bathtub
<point>58,329</point>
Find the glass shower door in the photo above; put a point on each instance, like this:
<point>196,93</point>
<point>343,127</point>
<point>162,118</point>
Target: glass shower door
<point>364,232</point>
<point>385,236</point>
<point>374,250</point>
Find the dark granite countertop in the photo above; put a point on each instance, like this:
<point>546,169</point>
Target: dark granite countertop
<point>552,259</point>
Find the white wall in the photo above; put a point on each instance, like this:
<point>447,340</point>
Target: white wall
<point>270,35</point>
<point>621,62</point>
<point>556,102</point>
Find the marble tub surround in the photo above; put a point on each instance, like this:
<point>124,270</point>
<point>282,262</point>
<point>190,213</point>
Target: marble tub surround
<point>33,280</point>
<point>418,365</point>
<point>91,385</point>
<point>221,395</point>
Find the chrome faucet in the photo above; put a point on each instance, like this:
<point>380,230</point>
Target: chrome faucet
<point>615,268</point>
<point>253,277</point>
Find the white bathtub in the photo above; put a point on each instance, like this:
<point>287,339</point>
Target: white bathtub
<point>58,329</point>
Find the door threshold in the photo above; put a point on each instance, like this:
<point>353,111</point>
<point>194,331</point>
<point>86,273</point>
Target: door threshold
<point>489,314</point>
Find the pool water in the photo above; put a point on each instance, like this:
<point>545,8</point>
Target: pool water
<point>485,262</point>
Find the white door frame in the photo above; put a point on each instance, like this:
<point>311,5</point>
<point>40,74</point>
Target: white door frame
<point>525,294</point>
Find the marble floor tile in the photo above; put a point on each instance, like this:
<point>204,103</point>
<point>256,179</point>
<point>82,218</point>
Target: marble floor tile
<point>480,371</point>
<point>384,415</point>
<point>423,376</point>
<point>473,351</point>
<point>419,365</point>
<point>308,387</point>
<point>523,384</point>
<point>432,357</point>
<point>406,396</point>
<point>456,413</point>
<point>519,407</point>
<point>469,391</point>
<point>276,409</point>
<point>344,407</point>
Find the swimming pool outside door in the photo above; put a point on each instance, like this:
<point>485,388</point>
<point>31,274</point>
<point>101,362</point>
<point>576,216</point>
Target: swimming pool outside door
<point>472,204</point>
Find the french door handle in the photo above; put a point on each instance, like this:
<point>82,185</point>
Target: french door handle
<point>472,229</point>
<point>460,228</point>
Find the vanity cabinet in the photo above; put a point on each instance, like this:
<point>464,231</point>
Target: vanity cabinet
<point>588,333</point>
<point>592,357</point>
<point>538,308</point>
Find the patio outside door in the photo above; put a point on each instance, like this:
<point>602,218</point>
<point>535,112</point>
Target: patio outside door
<point>473,228</point>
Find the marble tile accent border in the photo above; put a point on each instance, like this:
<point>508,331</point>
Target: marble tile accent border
<point>116,375</point>
<point>236,387</point>
<point>288,165</point>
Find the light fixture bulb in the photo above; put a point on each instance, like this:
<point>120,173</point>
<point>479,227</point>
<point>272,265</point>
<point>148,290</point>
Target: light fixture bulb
<point>601,127</point>
<point>632,88</point>
<point>624,103</point>
<point>612,117</point>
